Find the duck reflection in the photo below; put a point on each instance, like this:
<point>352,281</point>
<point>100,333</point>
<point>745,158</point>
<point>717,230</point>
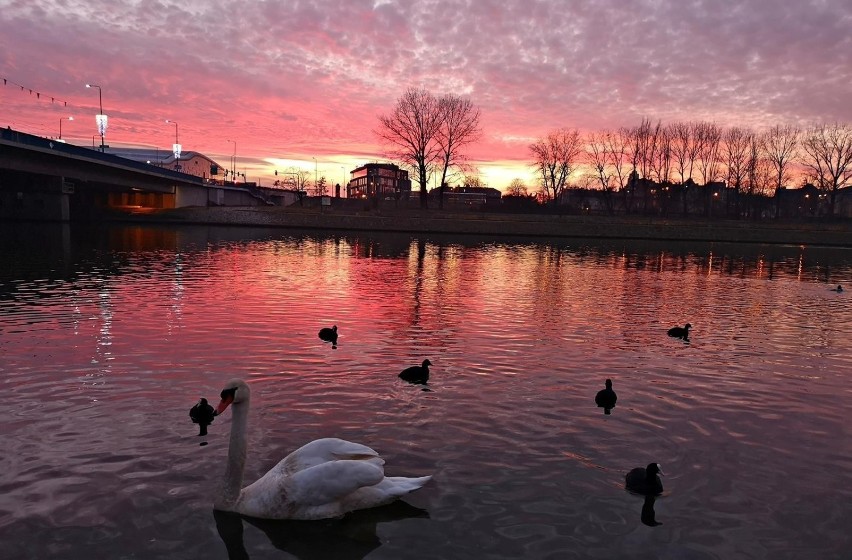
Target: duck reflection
<point>649,516</point>
<point>350,537</point>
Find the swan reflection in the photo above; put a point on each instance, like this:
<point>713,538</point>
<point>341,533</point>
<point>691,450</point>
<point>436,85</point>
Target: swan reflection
<point>350,537</point>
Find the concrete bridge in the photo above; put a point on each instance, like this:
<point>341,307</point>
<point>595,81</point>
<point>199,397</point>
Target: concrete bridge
<point>51,180</point>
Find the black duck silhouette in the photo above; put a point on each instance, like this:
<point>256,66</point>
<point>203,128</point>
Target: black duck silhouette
<point>329,335</point>
<point>838,289</point>
<point>680,332</point>
<point>645,480</point>
<point>202,414</point>
<point>416,374</point>
<point>606,397</point>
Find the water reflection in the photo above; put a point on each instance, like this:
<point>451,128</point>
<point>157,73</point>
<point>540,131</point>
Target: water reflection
<point>71,253</point>
<point>351,537</point>
<point>524,333</point>
<point>648,515</point>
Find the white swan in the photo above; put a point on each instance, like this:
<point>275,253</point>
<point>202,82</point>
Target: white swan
<point>322,479</point>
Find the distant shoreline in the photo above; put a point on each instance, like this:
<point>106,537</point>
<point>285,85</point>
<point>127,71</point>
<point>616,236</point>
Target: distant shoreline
<point>838,234</point>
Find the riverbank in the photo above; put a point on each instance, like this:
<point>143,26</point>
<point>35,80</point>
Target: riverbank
<point>524,225</point>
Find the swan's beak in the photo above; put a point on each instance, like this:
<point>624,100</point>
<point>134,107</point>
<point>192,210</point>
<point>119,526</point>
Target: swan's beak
<point>223,404</point>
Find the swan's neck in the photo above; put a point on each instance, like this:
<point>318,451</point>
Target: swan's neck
<point>232,483</point>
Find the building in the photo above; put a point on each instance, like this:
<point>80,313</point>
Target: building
<point>467,196</point>
<point>378,180</point>
<point>192,163</point>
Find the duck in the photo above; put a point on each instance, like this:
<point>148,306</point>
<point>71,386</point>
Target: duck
<point>416,374</point>
<point>838,289</point>
<point>329,335</point>
<point>680,332</point>
<point>324,479</point>
<point>202,414</point>
<point>606,397</point>
<point>645,480</point>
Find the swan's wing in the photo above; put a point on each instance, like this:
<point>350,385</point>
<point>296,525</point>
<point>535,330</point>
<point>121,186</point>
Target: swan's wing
<point>324,450</point>
<point>330,482</point>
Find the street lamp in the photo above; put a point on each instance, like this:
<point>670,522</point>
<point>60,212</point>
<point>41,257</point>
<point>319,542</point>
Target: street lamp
<point>60,124</point>
<point>233,160</point>
<point>316,186</point>
<point>100,118</point>
<point>176,146</point>
<point>343,177</point>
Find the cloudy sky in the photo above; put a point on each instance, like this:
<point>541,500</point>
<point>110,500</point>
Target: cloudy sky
<point>287,81</point>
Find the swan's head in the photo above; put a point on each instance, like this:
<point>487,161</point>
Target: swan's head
<point>236,391</point>
<point>653,469</point>
<point>608,383</point>
<point>687,326</point>
<point>426,363</point>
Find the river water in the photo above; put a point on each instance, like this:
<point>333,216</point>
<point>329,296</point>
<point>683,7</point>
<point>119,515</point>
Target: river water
<point>109,335</point>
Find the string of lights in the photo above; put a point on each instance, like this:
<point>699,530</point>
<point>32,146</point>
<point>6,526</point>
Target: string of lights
<point>53,99</point>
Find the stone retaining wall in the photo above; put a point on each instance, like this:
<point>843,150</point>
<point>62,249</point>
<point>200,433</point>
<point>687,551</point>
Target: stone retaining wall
<point>430,221</point>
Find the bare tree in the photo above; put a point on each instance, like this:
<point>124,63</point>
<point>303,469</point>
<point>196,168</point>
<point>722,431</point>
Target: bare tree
<point>780,144</point>
<point>736,153</point>
<point>293,178</point>
<point>709,137</point>
<point>597,153</point>
<point>661,162</point>
<point>828,154</point>
<point>459,127</point>
<point>681,140</point>
<point>473,178</point>
<point>320,186</point>
<point>554,158</point>
<point>411,130</point>
<point>617,143</point>
<point>517,187</point>
<point>694,148</point>
<point>633,146</point>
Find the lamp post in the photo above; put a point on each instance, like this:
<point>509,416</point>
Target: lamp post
<point>176,147</point>
<point>343,177</point>
<point>316,186</point>
<point>60,124</point>
<point>100,118</point>
<point>233,160</point>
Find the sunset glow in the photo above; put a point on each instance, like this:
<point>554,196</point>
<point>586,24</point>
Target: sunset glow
<point>302,84</point>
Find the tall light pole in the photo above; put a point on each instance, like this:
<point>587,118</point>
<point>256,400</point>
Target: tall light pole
<point>176,146</point>
<point>316,185</point>
<point>343,177</point>
<point>60,124</point>
<point>100,118</point>
<point>233,161</point>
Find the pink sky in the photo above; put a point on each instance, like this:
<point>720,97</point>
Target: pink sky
<point>291,80</point>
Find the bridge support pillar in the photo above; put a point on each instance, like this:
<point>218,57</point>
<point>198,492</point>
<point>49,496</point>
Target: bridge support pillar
<point>34,197</point>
